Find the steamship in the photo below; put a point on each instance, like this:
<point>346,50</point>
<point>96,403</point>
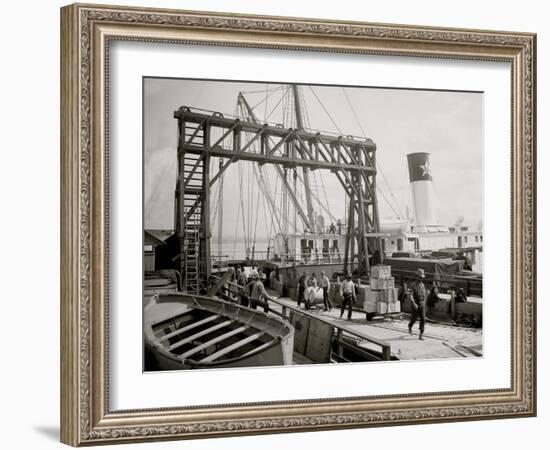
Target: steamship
<point>419,236</point>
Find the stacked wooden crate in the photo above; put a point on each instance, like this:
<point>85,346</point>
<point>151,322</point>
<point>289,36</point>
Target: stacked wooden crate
<point>381,295</point>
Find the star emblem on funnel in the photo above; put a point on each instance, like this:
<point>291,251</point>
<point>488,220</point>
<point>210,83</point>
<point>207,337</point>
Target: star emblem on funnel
<point>426,171</point>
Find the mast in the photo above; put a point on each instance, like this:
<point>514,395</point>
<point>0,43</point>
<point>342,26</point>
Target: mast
<point>220,215</point>
<point>307,188</point>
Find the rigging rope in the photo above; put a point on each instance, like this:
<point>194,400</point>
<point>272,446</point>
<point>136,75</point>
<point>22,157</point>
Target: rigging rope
<point>268,94</point>
<point>283,95</point>
<point>325,109</point>
<point>326,206</point>
<point>380,191</point>
<point>399,214</point>
<point>266,100</point>
<point>281,86</point>
<point>266,221</point>
<point>274,213</point>
<point>241,207</point>
<point>257,216</point>
<point>303,105</point>
<point>250,198</point>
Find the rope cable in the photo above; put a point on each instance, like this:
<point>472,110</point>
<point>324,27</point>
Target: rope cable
<point>281,86</point>
<point>325,109</point>
<point>268,94</point>
<point>266,100</point>
<point>257,215</point>
<point>399,213</point>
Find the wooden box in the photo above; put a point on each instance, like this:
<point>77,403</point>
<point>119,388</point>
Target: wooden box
<point>380,271</point>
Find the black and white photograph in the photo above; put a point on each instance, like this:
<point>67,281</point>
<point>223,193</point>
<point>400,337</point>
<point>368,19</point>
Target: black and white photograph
<point>294,224</point>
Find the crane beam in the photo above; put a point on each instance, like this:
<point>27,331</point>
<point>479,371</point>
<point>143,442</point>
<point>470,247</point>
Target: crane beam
<point>244,132</point>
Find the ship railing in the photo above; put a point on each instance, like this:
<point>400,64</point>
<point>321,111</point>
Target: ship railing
<point>341,332</point>
<point>321,257</point>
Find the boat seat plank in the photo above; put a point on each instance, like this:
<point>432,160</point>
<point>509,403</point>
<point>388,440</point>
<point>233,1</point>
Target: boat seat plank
<point>199,334</point>
<point>261,347</point>
<point>213,341</point>
<point>189,327</point>
<point>232,347</point>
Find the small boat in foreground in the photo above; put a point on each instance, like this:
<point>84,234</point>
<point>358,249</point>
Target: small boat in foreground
<point>184,331</point>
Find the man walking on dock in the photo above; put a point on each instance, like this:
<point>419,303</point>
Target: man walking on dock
<point>325,284</point>
<point>347,292</point>
<point>418,299</point>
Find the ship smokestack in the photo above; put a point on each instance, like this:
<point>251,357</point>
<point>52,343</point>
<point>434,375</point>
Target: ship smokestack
<point>420,177</point>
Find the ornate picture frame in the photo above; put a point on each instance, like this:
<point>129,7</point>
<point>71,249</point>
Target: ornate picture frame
<point>86,33</point>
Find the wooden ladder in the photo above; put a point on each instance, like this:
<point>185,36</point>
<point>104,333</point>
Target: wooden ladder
<point>193,185</point>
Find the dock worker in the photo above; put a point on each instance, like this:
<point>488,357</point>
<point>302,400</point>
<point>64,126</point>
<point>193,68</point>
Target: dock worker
<point>273,278</point>
<point>347,292</point>
<point>339,225</point>
<point>261,273</point>
<point>332,228</point>
<point>302,286</point>
<point>461,296</point>
<point>418,299</point>
<point>241,281</point>
<point>258,294</point>
<point>312,288</point>
<point>325,284</point>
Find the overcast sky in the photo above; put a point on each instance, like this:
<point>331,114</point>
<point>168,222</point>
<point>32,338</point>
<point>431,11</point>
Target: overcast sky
<point>448,125</point>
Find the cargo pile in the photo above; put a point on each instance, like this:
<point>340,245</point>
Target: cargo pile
<point>381,294</point>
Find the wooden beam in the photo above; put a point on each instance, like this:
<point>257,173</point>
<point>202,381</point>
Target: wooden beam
<point>262,347</point>
<point>204,240</point>
<point>235,154</point>
<point>273,159</point>
<point>292,195</point>
<point>189,327</point>
<point>199,334</point>
<point>193,170</point>
<point>219,284</point>
<point>224,135</point>
<point>281,142</point>
<point>230,348</point>
<point>213,341</point>
<point>271,129</point>
<point>199,126</point>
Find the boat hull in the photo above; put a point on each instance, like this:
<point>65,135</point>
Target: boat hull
<point>195,332</point>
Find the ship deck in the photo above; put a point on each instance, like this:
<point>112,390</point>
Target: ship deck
<point>440,340</point>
